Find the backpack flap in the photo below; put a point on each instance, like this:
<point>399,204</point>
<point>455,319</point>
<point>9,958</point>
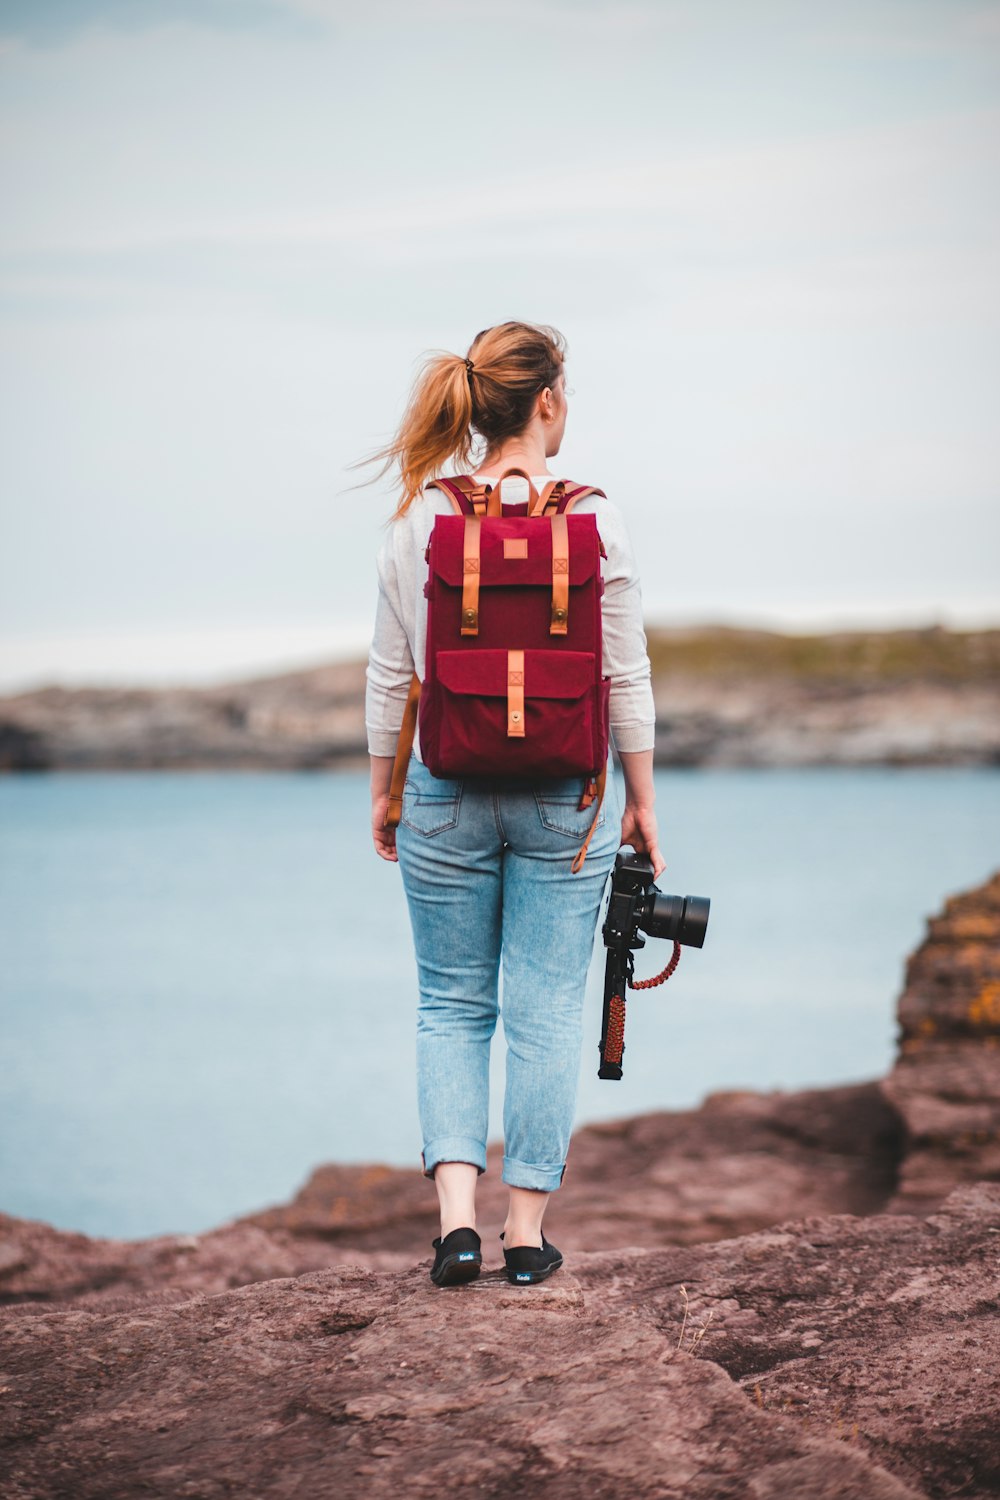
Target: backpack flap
<point>513,550</point>
<point>531,712</point>
<point>548,674</point>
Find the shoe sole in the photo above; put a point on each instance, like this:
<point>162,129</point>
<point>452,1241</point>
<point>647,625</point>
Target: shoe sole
<point>457,1269</point>
<point>532,1278</point>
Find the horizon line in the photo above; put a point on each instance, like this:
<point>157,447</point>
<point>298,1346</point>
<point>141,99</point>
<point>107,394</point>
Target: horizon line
<point>214,656</point>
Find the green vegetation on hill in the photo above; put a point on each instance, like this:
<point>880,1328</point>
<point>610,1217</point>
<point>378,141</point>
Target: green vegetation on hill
<point>932,655</point>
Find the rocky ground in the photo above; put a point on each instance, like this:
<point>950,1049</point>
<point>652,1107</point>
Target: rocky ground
<point>724,698</point>
<point>783,1295</point>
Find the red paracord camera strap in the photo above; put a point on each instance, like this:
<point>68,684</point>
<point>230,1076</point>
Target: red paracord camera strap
<point>616,1018</point>
<point>661,978</point>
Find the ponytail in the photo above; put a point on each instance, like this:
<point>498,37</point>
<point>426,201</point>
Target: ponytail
<point>489,393</point>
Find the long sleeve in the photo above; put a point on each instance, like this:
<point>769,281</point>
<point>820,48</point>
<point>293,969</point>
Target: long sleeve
<point>626,661</point>
<point>399,639</point>
<point>390,660</point>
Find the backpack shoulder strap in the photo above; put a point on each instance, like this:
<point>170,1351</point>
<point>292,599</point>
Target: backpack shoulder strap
<point>466,494</point>
<point>560,495</point>
<point>574,492</point>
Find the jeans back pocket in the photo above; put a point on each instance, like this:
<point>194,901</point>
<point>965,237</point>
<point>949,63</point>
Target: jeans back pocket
<point>431,809</point>
<point>559,809</point>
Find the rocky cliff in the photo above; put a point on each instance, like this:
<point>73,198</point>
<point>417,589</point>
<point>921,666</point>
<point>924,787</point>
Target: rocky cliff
<point>724,698</point>
<point>783,1295</point>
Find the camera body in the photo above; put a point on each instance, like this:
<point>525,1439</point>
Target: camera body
<point>636,905</point>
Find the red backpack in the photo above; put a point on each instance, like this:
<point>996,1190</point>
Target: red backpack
<point>513,685</point>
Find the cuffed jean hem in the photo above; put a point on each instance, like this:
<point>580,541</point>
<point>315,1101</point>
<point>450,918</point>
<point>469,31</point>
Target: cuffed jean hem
<point>521,1174</point>
<point>453,1148</point>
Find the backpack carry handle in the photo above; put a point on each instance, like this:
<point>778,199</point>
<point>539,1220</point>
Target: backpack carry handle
<point>494,506</point>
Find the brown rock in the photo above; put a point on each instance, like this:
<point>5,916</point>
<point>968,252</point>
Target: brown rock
<point>303,720</point>
<point>946,1081</point>
<point>349,1383</point>
<point>46,1266</point>
<point>882,1331</point>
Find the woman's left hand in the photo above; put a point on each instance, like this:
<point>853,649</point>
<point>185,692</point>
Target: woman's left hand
<point>383,838</point>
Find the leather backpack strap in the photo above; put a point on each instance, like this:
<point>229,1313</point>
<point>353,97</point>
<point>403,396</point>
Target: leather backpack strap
<point>559,620</point>
<point>404,749</point>
<point>470,575</point>
<point>515,695</point>
<point>600,781</point>
<point>466,494</point>
<point>560,495</point>
<point>548,497</point>
<point>575,492</point>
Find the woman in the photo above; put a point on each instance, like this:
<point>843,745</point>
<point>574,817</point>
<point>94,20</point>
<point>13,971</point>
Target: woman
<point>485,866</point>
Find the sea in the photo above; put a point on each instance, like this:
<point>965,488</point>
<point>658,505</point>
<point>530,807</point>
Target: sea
<point>207,982</point>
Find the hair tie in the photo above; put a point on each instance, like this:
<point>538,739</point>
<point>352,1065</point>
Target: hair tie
<point>469,367</point>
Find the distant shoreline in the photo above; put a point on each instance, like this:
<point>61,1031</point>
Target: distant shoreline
<point>159,659</point>
<point>725,696</point>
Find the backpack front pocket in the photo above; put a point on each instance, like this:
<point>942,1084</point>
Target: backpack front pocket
<point>514,713</point>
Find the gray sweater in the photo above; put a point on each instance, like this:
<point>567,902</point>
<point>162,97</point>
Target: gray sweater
<point>399,641</point>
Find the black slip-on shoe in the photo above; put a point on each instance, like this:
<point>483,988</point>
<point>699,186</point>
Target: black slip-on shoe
<point>526,1264</point>
<point>458,1259</point>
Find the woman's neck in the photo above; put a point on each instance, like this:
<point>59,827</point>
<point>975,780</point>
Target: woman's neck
<point>515,455</point>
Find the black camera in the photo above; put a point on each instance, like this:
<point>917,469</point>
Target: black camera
<point>635,906</point>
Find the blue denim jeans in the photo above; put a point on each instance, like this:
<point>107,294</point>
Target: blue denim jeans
<point>486,870</point>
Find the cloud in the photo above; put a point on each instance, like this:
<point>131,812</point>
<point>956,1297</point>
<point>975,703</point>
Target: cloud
<point>600,19</point>
<point>909,29</point>
<point>875,182</point>
<point>56,23</point>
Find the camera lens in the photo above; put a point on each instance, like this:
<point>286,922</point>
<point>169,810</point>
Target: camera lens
<point>683,918</point>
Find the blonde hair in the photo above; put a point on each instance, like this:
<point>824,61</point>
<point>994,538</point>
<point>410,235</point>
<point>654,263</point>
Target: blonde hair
<point>488,393</point>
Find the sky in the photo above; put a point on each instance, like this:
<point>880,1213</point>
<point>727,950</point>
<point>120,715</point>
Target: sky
<point>769,232</point>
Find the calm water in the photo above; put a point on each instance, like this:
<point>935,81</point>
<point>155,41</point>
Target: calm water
<point>207,979</point>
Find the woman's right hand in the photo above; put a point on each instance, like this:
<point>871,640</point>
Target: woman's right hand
<point>639,829</point>
<point>639,819</point>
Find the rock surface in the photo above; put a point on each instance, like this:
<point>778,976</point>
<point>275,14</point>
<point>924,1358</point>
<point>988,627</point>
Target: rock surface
<point>946,1081</point>
<point>298,720</point>
<point>724,698</point>
<point>883,1331</point>
<point>750,1308</point>
<point>843,1357</point>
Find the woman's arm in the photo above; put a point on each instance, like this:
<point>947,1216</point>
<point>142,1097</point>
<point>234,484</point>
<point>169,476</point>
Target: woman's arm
<point>639,820</point>
<point>383,838</point>
<point>626,662</point>
<point>389,673</point>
